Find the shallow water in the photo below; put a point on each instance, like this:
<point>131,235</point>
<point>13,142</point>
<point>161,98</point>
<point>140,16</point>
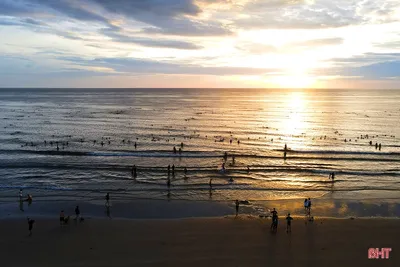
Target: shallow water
<point>313,124</point>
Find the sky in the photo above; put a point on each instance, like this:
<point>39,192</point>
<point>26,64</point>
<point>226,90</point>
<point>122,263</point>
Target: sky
<point>200,43</point>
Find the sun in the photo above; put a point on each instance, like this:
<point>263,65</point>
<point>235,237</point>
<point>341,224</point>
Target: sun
<point>294,81</point>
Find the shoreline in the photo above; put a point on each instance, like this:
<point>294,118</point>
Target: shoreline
<point>177,209</point>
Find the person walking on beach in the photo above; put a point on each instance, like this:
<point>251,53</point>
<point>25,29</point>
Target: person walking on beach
<point>237,203</point>
<point>108,199</point>
<point>306,206</point>
<point>30,225</point>
<point>62,217</point>
<point>274,224</point>
<point>77,212</point>
<point>288,223</point>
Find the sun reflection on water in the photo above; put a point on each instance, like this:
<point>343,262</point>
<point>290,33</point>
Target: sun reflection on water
<point>295,122</point>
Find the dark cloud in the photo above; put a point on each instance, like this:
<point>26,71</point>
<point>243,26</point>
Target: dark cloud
<point>72,9</point>
<point>172,17</point>
<point>162,8</point>
<point>115,34</point>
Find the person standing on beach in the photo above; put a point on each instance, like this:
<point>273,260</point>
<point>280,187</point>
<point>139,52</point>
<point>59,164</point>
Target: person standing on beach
<point>108,199</point>
<point>62,217</point>
<point>173,169</point>
<point>306,206</point>
<point>134,173</point>
<point>288,223</point>
<point>77,212</point>
<point>30,225</point>
<point>309,207</point>
<point>237,207</point>
<point>274,224</point>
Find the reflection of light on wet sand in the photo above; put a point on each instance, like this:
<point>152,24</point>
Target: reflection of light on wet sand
<point>343,209</point>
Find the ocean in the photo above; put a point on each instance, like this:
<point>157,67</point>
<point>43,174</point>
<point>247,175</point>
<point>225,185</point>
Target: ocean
<point>96,129</point>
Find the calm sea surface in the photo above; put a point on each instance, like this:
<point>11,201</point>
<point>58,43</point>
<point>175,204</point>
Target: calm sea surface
<point>96,131</point>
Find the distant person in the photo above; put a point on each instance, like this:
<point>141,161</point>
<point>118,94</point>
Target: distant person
<point>333,176</point>
<point>29,199</point>
<point>62,217</point>
<point>30,225</point>
<point>285,147</point>
<point>20,195</point>
<point>376,145</point>
<point>238,142</point>
<point>223,167</point>
<point>306,206</point>
<point>288,223</point>
<point>309,206</point>
<point>134,171</point>
<point>210,184</point>
<point>108,199</point>
<point>237,203</point>
<point>135,145</point>
<point>174,150</point>
<point>248,169</point>
<point>380,146</point>
<point>173,169</point>
<point>185,171</point>
<point>225,156</point>
<point>77,212</point>
<point>274,224</point>
<point>370,143</point>
<point>181,144</point>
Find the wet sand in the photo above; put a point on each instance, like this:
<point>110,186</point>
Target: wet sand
<point>197,242</point>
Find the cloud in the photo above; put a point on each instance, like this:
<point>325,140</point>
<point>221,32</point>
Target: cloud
<point>72,9</point>
<point>115,34</point>
<point>131,66</point>
<point>303,14</point>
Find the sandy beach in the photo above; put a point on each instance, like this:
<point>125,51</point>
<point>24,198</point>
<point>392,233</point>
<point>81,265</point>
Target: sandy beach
<point>225,241</point>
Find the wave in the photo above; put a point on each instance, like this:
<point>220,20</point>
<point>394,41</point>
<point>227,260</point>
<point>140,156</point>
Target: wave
<point>192,170</point>
<point>204,154</point>
<point>201,187</point>
<point>337,152</point>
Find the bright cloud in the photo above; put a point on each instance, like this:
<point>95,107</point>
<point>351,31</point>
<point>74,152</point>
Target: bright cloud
<point>200,43</point>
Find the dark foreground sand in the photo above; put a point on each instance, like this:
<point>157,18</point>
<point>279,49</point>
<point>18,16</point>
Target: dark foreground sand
<point>198,242</point>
